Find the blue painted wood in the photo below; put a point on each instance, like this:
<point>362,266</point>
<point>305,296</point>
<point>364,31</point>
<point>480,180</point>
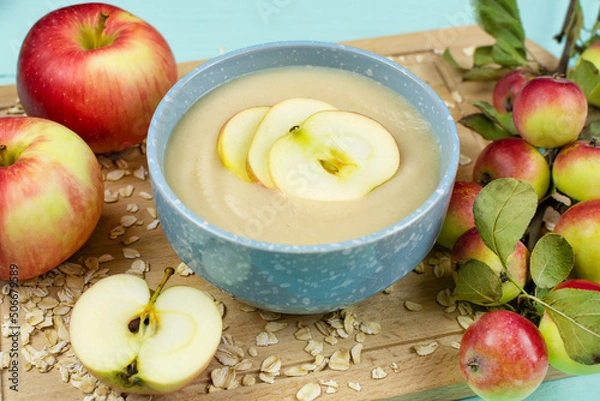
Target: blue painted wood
<point>201,29</point>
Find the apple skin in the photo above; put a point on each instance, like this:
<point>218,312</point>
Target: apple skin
<point>459,217</point>
<point>471,246</point>
<point>576,169</point>
<point>106,95</point>
<point>592,54</point>
<point>558,356</point>
<point>580,226</point>
<point>51,195</point>
<point>506,89</point>
<point>550,112</point>
<point>513,157</point>
<point>503,356</point>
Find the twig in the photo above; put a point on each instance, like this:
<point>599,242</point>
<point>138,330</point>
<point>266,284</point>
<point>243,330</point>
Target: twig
<point>567,24</point>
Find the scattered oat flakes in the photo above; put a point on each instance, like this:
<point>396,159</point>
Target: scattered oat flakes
<point>130,240</point>
<point>395,367</point>
<point>340,360</point>
<point>308,392</point>
<point>183,270</point>
<point>128,220</point>
<point>140,172</point>
<point>130,253</point>
<point>267,377</point>
<point>420,268</point>
<point>145,195</point>
<point>153,224</point>
<point>303,334</point>
<point>132,207</point>
<point>378,373</point>
<point>464,321</point>
<point>445,298</point>
<point>253,352</point>
<point>152,212</point>
<point>275,326</point>
<point>456,96</point>
<point>271,364</point>
<point>296,371</point>
<point>116,232</point>
<point>464,160</point>
<point>354,386</point>
<point>314,347</point>
<point>115,175</point>
<point>413,306</point>
<point>126,191</point>
<point>266,338</point>
<point>248,381</point>
<point>426,349</point>
<point>355,352</point>
<point>269,316</point>
<point>110,197</point>
<point>370,327</point>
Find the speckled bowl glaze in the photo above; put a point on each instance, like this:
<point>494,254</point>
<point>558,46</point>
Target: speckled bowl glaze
<point>309,278</point>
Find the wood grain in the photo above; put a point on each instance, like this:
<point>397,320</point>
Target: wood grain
<point>420,377</point>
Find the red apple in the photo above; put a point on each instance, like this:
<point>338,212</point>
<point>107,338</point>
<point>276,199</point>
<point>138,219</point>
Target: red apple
<point>503,356</point>
<point>513,158</point>
<point>550,112</point>
<point>51,195</point>
<point>580,226</point>
<point>471,246</point>
<point>576,170</point>
<point>96,69</point>
<point>459,217</point>
<point>507,88</point>
<point>558,356</point>
<point>592,54</point>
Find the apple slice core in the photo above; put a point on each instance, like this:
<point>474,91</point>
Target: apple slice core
<point>334,156</point>
<point>276,123</point>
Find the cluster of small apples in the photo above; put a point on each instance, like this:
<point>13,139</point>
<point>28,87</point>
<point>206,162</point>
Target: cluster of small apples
<point>504,355</point>
<point>306,148</point>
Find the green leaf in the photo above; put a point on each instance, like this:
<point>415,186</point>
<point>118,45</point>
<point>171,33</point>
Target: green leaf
<point>485,73</point>
<point>476,282</point>
<point>505,120</point>
<point>483,56</point>
<point>503,210</point>
<point>551,261</point>
<point>577,317</point>
<point>501,19</point>
<point>485,127</point>
<point>586,75</point>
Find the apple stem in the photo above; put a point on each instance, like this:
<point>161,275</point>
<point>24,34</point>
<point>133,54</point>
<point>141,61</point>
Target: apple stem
<point>100,26</point>
<point>3,162</point>
<point>169,271</point>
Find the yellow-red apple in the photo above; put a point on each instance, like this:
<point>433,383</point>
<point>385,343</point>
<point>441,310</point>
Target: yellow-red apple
<point>459,217</point>
<point>51,195</point>
<point>506,89</point>
<point>471,246</point>
<point>513,157</point>
<point>580,226</point>
<point>96,69</point>
<point>503,356</point>
<point>557,354</point>
<point>550,112</point>
<point>576,170</point>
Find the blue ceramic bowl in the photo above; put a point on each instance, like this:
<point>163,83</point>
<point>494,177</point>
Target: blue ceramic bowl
<point>308,278</point>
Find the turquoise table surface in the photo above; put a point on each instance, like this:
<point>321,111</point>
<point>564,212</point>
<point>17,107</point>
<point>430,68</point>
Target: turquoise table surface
<point>201,29</point>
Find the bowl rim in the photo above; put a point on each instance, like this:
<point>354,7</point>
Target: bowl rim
<point>445,184</point>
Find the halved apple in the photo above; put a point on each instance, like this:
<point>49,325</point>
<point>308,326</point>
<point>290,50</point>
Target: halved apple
<point>235,137</point>
<point>144,343</point>
<point>334,156</point>
<point>278,121</point>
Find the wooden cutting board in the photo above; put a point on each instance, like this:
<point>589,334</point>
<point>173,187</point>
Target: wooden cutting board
<point>432,377</point>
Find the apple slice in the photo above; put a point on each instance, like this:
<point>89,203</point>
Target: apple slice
<point>144,343</point>
<point>276,123</point>
<point>235,137</point>
<point>333,156</point>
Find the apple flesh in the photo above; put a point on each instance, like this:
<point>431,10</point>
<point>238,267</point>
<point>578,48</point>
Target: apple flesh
<point>471,246</point>
<point>235,137</point>
<point>51,195</point>
<point>144,343</point>
<point>513,158</point>
<point>96,69</point>
<point>503,356</point>
<point>550,112</point>
<point>592,54</point>
<point>277,122</point>
<point>334,155</point>
<point>558,356</point>
<point>459,217</point>
<point>506,89</point>
<point>580,226</point>
<point>576,170</point>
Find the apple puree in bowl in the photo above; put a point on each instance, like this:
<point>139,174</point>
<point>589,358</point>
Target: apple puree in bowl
<point>197,176</point>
